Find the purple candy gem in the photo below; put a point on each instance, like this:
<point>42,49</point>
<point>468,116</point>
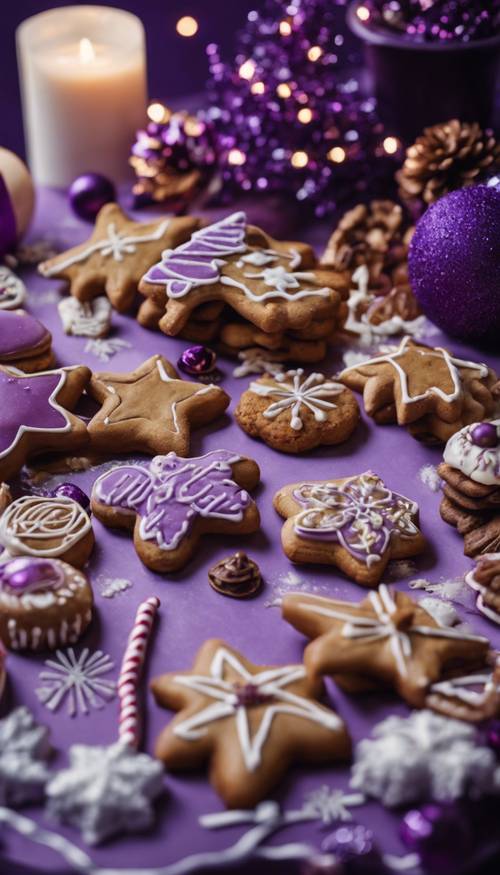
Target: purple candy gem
<point>197,360</point>
<point>484,435</point>
<point>249,695</point>
<point>353,845</point>
<point>25,573</point>
<point>441,836</point>
<point>70,490</point>
<point>88,193</point>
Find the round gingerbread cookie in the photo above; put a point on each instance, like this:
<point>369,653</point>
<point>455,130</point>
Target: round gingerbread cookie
<point>44,604</point>
<point>293,412</point>
<point>47,527</point>
<point>24,342</point>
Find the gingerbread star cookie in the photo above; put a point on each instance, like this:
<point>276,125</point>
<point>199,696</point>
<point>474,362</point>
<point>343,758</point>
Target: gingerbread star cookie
<point>386,639</point>
<point>275,285</point>
<point>171,502</point>
<point>355,523</point>
<point>116,255</point>
<point>150,410</point>
<point>250,723</point>
<point>293,412</point>
<point>35,415</point>
<point>424,388</point>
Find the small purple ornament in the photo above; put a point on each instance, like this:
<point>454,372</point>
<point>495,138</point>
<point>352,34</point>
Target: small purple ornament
<point>484,435</point>
<point>88,193</point>
<point>353,845</point>
<point>70,490</point>
<point>441,835</point>
<point>27,573</point>
<point>197,361</point>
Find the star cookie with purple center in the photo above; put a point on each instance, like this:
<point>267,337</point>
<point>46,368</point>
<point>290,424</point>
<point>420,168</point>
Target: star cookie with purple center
<point>386,640</point>
<point>171,502</point>
<point>248,722</point>
<point>35,415</point>
<point>355,523</point>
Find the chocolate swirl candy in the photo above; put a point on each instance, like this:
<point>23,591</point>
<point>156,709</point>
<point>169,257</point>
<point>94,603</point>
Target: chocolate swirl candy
<point>236,576</point>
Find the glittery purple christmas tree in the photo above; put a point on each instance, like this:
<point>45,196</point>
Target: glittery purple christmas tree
<point>434,20</point>
<point>288,117</point>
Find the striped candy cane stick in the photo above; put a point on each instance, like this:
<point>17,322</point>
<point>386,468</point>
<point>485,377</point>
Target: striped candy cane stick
<point>133,660</point>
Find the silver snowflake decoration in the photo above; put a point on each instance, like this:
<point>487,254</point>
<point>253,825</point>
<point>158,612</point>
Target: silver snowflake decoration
<point>329,805</point>
<point>105,348</point>
<point>105,790</point>
<point>423,756</point>
<point>78,680</point>
<point>24,751</point>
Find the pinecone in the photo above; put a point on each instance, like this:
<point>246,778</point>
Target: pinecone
<point>446,157</point>
<point>365,235</point>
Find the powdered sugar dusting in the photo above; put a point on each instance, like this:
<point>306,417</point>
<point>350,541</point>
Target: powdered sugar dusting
<point>112,586</point>
<point>430,477</point>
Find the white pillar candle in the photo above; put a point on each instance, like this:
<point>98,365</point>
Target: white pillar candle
<point>83,82</point>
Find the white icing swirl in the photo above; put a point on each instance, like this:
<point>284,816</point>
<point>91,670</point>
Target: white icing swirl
<point>481,464</point>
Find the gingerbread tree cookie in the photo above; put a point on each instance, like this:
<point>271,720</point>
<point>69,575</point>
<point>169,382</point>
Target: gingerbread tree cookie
<point>424,388</point>
<point>171,502</point>
<point>275,285</point>
<point>248,722</point>
<point>355,523</point>
<point>386,639</point>
<point>116,255</point>
<point>150,409</point>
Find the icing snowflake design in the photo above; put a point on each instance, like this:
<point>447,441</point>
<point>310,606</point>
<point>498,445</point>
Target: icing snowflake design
<point>12,289</point>
<point>105,348</point>
<point>384,625</point>
<point>173,492</point>
<point>331,805</point>
<point>295,391</point>
<point>424,756</point>
<point>228,699</point>
<point>105,790</point>
<point>24,751</point>
<point>253,361</point>
<point>361,515</point>
<point>78,680</point>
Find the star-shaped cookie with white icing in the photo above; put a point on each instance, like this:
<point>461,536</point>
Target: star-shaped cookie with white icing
<point>385,640</point>
<point>427,389</point>
<point>150,409</point>
<point>250,723</point>
<point>116,255</point>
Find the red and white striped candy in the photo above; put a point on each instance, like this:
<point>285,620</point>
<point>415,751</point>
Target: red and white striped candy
<point>130,672</point>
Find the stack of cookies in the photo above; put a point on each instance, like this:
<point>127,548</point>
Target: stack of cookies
<point>233,286</point>
<point>471,487</point>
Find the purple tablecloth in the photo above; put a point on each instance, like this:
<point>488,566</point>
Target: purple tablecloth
<point>191,611</point>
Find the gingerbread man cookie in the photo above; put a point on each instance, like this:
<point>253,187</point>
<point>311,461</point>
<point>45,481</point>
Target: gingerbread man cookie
<point>24,342</point>
<point>150,410</point>
<point>171,502</point>
<point>293,412</point>
<point>35,415</point>
<point>426,389</point>
<point>116,255</point>
<point>386,640</point>
<point>44,604</point>
<point>355,523</point>
<point>275,285</point>
<point>47,527</point>
<point>248,722</point>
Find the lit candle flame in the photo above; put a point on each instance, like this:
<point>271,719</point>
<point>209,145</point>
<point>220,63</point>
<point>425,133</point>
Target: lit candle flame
<point>86,52</point>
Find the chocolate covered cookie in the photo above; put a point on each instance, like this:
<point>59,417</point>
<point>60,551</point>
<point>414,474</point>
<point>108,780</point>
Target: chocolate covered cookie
<point>236,576</point>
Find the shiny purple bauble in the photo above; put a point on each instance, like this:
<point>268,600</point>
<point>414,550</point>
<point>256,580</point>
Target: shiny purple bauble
<point>441,835</point>
<point>26,572</point>
<point>88,193</point>
<point>454,263</point>
<point>484,435</point>
<point>197,360</point>
<point>353,845</point>
<point>70,490</point>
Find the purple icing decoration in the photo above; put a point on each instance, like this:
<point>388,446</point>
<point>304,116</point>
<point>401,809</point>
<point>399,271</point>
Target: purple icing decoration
<point>171,492</point>
<point>249,695</point>
<point>361,515</point>
<point>19,331</point>
<point>197,360</point>
<point>195,263</point>
<point>484,435</point>
<point>70,490</point>
<point>28,404</point>
<point>29,575</point>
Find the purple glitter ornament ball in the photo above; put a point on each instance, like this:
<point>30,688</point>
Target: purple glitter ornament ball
<point>484,435</point>
<point>353,845</point>
<point>440,834</point>
<point>454,262</point>
<point>88,193</point>
<point>197,361</point>
<point>70,490</point>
